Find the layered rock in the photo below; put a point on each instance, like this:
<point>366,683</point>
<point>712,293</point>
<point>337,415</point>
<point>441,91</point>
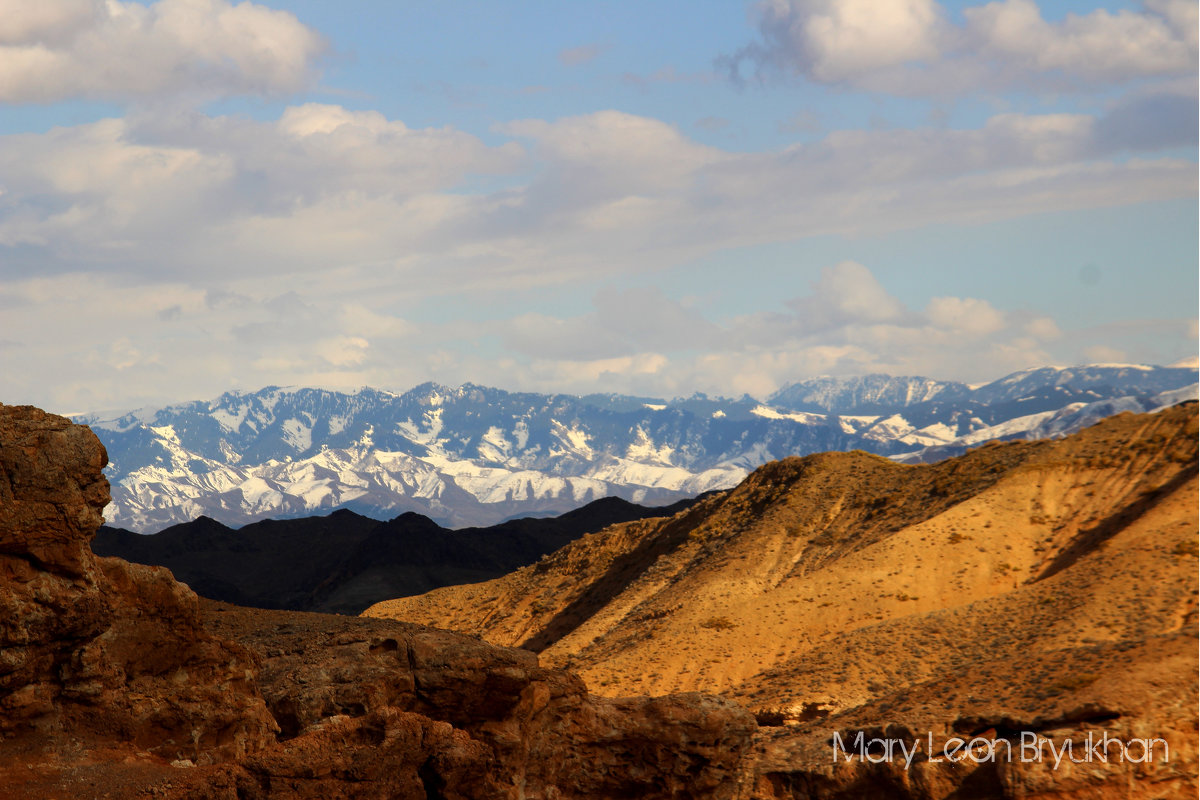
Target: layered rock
<point>117,681</point>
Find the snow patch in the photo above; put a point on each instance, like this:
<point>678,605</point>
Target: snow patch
<point>766,412</point>
<point>574,439</point>
<point>643,449</point>
<point>228,420</point>
<point>297,435</point>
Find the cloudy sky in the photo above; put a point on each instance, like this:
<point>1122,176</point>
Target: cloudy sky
<point>649,198</point>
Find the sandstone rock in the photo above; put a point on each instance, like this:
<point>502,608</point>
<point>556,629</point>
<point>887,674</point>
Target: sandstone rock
<point>98,646</point>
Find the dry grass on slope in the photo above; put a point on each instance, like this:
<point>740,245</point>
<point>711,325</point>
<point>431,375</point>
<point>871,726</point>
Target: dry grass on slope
<point>825,582</point>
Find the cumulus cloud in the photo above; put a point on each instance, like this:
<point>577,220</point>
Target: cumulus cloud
<point>910,47</point>
<point>837,40</point>
<point>1097,47</point>
<point>179,231</point>
<point>323,189</point>
<point>965,315</point>
<point>53,50</point>
<point>112,344</point>
<point>847,292</point>
<point>166,195</point>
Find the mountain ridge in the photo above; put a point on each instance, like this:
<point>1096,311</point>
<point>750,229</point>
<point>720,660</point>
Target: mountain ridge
<point>343,562</point>
<point>475,455</point>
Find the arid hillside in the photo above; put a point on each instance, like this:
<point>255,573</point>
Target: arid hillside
<point>1039,586</point>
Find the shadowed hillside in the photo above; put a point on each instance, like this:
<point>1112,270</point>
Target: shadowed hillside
<point>344,562</point>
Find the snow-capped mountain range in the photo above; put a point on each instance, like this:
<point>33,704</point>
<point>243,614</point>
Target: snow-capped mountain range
<point>473,455</point>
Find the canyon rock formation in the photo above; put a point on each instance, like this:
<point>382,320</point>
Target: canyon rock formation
<point>1042,589</point>
<point>116,681</point>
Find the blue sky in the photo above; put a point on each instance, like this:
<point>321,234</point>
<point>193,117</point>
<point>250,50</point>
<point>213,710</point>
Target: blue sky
<point>663,198</point>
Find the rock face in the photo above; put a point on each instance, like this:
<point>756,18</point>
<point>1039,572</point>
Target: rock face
<point>101,646</point>
<point>117,681</point>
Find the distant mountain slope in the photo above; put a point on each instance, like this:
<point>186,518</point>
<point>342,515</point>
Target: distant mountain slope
<point>344,562</point>
<point>1045,587</point>
<point>476,456</point>
<point>869,394</point>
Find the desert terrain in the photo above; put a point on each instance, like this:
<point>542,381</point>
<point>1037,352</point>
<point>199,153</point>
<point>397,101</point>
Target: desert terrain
<point>1042,586</point>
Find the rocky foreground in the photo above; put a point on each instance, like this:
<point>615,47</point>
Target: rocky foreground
<point>118,682</point>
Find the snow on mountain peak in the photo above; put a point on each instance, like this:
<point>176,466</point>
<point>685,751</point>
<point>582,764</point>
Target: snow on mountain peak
<point>476,455</point>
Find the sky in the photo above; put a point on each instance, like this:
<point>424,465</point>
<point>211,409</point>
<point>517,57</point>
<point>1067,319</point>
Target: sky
<point>199,196</point>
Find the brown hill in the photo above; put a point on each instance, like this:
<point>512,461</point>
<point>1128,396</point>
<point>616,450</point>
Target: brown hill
<point>118,682</point>
<point>1041,588</point>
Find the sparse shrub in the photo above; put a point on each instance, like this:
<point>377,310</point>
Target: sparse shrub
<point>1070,683</point>
<point>718,624</point>
<point>1187,547</point>
<point>956,537</point>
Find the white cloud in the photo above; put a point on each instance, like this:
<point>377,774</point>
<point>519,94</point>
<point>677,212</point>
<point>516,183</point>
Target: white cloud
<point>847,292</point>
<point>838,40</point>
<point>1043,328</point>
<point>969,316</point>
<point>1097,47</point>
<point>320,187</point>
<point>216,252</point>
<point>909,47</point>
<point>1103,354</point>
<point>44,21</point>
<point>59,49</point>
<point>615,151</point>
<point>325,190</point>
<point>108,344</point>
<point>848,324</point>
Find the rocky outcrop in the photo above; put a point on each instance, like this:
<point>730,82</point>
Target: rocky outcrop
<point>499,720</point>
<point>117,681</point>
<point>99,646</point>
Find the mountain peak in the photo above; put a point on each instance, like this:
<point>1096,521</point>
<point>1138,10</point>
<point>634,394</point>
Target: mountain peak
<point>477,455</point>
